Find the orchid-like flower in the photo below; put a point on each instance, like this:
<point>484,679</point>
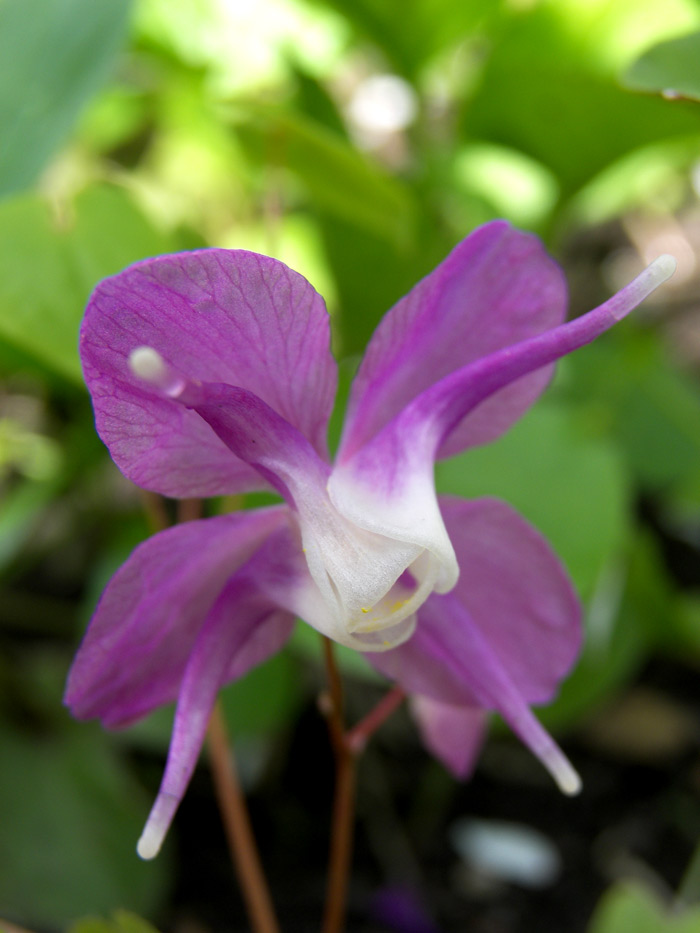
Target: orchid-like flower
<point>211,374</point>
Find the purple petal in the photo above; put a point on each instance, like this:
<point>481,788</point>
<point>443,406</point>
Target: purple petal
<point>215,316</point>
<point>516,591</point>
<point>453,734</point>
<point>505,636</point>
<point>139,641</point>
<point>495,289</point>
<point>241,629</point>
<point>391,475</point>
<point>449,660</point>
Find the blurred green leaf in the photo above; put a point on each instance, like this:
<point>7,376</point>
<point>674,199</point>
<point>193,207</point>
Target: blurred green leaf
<point>671,68</point>
<point>21,509</point>
<point>265,699</point>
<point>70,821</point>
<point>338,178</point>
<point>682,634</point>
<point>561,84</point>
<point>48,267</point>
<point>569,484</point>
<point>651,407</point>
<point>413,33</point>
<point>630,908</point>
<point>55,54</point>
<point>372,273</point>
<point>627,610</point>
<point>123,922</point>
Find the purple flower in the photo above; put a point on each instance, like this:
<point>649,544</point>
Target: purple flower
<point>211,373</point>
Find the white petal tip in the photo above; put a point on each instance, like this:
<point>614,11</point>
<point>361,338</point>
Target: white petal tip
<point>149,844</point>
<point>568,780</point>
<point>148,364</point>
<point>159,820</point>
<point>663,267</point>
<point>655,274</point>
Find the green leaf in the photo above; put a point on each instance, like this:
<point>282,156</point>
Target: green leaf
<point>569,484</point>
<point>630,908</point>
<point>70,819</point>
<point>629,605</point>
<point>55,54</point>
<point>337,178</point>
<point>123,922</point>
<point>412,34</point>
<point>560,83</point>
<point>651,407</point>
<point>671,68</point>
<point>265,699</point>
<point>48,267</point>
<point>20,515</point>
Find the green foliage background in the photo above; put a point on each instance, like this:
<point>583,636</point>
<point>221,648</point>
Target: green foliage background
<point>130,130</point>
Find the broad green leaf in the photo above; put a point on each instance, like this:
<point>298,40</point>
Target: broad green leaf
<point>55,54</point>
<point>70,818</point>
<point>649,405</point>
<point>569,114</point>
<point>630,908</point>
<point>410,34</point>
<point>338,178</point>
<point>371,273</point>
<point>570,485</point>
<point>49,265</point>
<point>671,68</point>
<point>267,698</point>
<point>627,608</point>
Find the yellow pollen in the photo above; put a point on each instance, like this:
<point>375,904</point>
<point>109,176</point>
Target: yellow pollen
<point>362,609</point>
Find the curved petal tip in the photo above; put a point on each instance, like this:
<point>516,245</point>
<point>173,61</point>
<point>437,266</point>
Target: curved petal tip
<point>157,826</point>
<point>655,274</point>
<point>563,772</point>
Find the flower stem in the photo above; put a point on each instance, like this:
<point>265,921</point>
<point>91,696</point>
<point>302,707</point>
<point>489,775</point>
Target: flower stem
<point>357,737</point>
<point>343,802</point>
<point>156,512</point>
<point>239,833</point>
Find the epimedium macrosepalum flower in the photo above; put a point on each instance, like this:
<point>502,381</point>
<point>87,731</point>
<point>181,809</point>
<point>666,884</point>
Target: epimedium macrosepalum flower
<point>211,374</point>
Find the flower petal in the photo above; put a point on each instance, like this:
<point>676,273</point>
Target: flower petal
<point>138,643</point>
<point>214,315</point>
<point>242,628</point>
<point>495,289</point>
<point>357,574</point>
<point>387,485</point>
<point>516,591</point>
<point>454,734</point>
<point>449,660</point>
<point>507,633</point>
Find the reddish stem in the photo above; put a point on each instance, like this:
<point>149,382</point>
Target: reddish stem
<point>239,833</point>
<point>357,737</point>
<point>343,801</point>
<point>346,747</point>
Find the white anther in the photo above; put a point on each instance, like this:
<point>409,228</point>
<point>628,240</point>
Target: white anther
<point>149,365</point>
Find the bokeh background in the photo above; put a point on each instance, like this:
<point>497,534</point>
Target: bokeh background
<point>358,141</point>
